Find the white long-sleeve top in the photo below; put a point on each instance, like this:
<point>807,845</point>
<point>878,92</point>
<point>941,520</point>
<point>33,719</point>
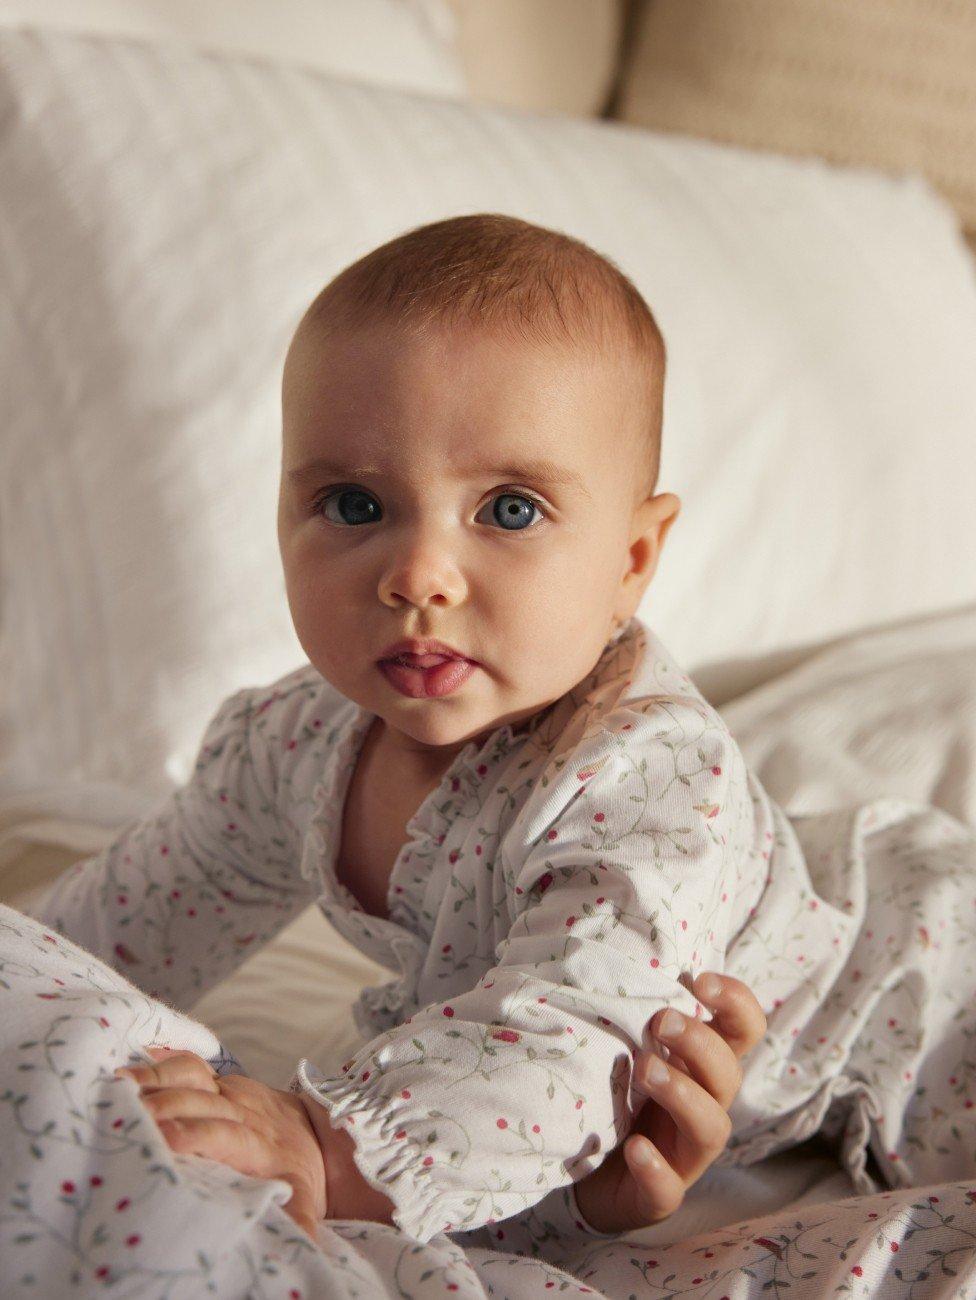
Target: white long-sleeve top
<point>556,888</point>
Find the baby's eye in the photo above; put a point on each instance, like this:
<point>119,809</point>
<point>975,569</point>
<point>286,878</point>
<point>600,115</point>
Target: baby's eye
<point>510,509</point>
<point>513,510</point>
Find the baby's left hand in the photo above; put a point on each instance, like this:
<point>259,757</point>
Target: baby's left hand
<point>238,1122</point>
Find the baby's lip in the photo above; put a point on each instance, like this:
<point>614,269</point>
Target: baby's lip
<point>419,648</point>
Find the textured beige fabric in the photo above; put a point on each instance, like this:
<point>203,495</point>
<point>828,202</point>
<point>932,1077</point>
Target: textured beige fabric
<point>882,83</point>
<point>549,56</point>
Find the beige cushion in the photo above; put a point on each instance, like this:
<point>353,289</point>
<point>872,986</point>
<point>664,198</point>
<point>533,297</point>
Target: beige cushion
<point>548,56</point>
<point>882,83</point>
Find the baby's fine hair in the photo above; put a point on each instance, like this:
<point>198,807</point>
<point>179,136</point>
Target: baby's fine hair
<point>499,272</point>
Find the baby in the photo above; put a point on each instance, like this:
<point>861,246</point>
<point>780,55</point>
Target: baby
<point>491,775</point>
<point>495,781</point>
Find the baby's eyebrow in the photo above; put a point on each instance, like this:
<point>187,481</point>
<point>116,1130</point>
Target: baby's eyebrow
<point>538,469</point>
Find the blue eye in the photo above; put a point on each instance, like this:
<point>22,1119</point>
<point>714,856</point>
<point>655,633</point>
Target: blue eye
<point>512,510</point>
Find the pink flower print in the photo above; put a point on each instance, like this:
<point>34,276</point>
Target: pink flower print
<point>550,835</point>
<point>68,1188</point>
<point>478,850</point>
<point>448,1011</point>
<point>95,1180</point>
<point>545,880</point>
<point>405,1094</point>
<point>536,1128</point>
<point>455,784</point>
<point>482,769</point>
<point>126,954</point>
<point>123,1204</point>
<point>501,1123</point>
<point>428,1160</point>
<point>570,920</point>
<point>506,1036</point>
<point>716,771</point>
<point>133,1240</point>
<point>446,948</point>
<point>453,856</point>
<point>655,962</point>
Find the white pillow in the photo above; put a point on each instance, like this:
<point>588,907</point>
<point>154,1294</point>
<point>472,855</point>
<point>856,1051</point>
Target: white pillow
<point>165,218</point>
<point>406,43</point>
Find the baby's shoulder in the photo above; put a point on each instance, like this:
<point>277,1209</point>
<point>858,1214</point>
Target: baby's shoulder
<point>281,731</point>
<point>281,710</point>
<point>644,707</point>
<point>638,727</point>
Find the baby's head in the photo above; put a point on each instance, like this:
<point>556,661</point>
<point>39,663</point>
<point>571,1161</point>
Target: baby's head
<point>471,424</point>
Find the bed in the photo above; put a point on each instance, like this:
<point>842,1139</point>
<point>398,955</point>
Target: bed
<point>173,190</point>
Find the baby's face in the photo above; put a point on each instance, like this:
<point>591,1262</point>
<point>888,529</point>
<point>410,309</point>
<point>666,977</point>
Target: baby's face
<point>413,504</point>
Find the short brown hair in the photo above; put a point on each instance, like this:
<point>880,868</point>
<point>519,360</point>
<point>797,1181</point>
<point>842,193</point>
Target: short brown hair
<point>501,272</point>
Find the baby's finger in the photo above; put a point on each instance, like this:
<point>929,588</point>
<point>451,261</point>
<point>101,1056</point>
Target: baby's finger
<point>696,1114</point>
<point>659,1189</point>
<point>706,1056</point>
<point>182,1069</point>
<point>736,1014</point>
<point>187,1103</point>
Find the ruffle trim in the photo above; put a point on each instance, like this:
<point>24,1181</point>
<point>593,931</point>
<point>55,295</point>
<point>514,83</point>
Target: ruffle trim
<point>394,1166</point>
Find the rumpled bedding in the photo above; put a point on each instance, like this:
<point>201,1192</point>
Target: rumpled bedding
<point>882,725</point>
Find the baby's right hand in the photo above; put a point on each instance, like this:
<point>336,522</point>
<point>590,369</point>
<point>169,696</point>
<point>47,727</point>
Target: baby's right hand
<point>684,1126</point>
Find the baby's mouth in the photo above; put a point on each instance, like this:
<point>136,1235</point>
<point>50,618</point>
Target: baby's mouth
<point>419,661</point>
<point>427,676</point>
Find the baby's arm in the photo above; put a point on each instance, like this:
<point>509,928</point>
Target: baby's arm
<point>476,1108</point>
<point>184,896</point>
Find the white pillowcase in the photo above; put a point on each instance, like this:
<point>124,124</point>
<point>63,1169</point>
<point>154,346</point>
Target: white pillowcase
<point>165,218</point>
<point>406,43</point>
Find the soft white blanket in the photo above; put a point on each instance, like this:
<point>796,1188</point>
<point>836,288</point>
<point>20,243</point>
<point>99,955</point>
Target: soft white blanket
<point>886,713</point>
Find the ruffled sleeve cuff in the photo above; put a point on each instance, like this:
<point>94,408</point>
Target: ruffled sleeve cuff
<point>386,1153</point>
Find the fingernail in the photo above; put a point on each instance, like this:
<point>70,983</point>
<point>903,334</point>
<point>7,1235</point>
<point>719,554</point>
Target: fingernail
<point>709,987</point>
<point>672,1023</point>
<point>642,1153</point>
<point>656,1072</point>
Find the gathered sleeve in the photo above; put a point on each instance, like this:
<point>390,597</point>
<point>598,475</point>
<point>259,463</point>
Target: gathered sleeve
<point>619,871</point>
<point>182,897</point>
